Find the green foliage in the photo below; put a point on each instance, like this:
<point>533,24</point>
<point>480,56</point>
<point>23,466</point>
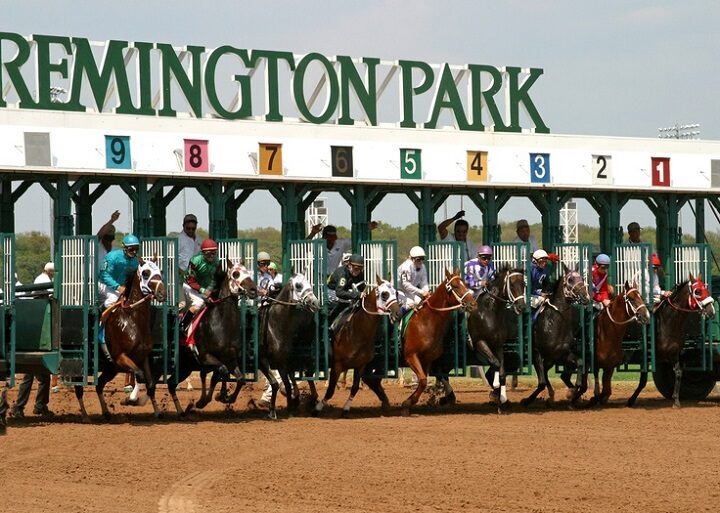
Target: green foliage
<point>32,252</point>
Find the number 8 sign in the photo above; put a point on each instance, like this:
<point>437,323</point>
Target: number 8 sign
<point>539,168</point>
<point>196,155</point>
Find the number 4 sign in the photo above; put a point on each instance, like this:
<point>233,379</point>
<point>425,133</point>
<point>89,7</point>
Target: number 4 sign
<point>660,171</point>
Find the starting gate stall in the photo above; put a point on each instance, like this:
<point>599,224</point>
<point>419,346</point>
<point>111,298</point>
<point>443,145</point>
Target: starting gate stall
<point>309,257</point>
<point>381,260</point>
<point>579,257</point>
<point>245,251</point>
<point>7,302</point>
<point>442,256</point>
<point>518,347</point>
<point>164,315</point>
<point>631,263</point>
<point>76,272</point>
<point>694,259</point>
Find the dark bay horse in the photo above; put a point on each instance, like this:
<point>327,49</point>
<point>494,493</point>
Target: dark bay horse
<point>353,346</point>
<point>217,337</point>
<point>488,328</point>
<point>688,302</point>
<point>610,326</point>
<point>554,331</point>
<point>128,335</point>
<point>286,322</point>
<point>423,340</point>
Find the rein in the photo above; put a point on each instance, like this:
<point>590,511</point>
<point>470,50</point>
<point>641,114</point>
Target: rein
<point>627,303</point>
<point>383,312</point>
<point>460,300</point>
<point>511,299</point>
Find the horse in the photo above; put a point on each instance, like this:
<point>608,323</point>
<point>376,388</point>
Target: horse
<point>554,331</point>
<point>217,337</point>
<point>353,346</point>
<point>488,329</point>
<point>128,335</point>
<point>286,321</point>
<point>610,326</point>
<point>423,340</point>
<point>688,302</point>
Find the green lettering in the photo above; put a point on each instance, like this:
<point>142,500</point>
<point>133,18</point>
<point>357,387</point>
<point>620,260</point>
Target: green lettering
<point>13,69</point>
<point>299,89</point>
<point>245,108</point>
<point>366,96</point>
<point>173,67</point>
<point>144,80</point>
<point>272,93</point>
<point>519,96</point>
<point>45,68</point>
<point>408,91</point>
<point>478,97</point>
<point>447,97</point>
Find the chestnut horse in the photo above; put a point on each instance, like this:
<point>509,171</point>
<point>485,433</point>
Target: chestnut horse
<point>128,335</point>
<point>689,302</point>
<point>610,326</point>
<point>353,346</point>
<point>423,340</point>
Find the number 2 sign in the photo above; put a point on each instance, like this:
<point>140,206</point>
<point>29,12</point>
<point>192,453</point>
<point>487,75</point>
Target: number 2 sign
<point>660,171</point>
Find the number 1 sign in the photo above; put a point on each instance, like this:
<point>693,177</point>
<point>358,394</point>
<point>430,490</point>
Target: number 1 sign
<point>660,171</point>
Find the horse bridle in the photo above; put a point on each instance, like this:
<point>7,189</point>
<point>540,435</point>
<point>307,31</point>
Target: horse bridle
<point>303,303</point>
<point>459,299</point>
<point>511,298</point>
<point>382,310</point>
<point>147,291</point>
<point>698,305</point>
<point>570,291</point>
<point>237,281</point>
<point>634,316</point>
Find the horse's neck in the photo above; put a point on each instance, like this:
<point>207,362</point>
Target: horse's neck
<point>558,297</point>
<point>440,297</point>
<point>135,292</point>
<point>618,308</point>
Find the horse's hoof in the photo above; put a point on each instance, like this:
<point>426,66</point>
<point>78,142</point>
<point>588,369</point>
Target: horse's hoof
<point>345,414</point>
<point>525,402</point>
<point>85,419</point>
<point>315,413</point>
<point>405,412</point>
<point>504,407</point>
<point>190,407</point>
<point>385,409</point>
<point>107,416</point>
<point>448,400</point>
<point>272,415</point>
<point>677,406</point>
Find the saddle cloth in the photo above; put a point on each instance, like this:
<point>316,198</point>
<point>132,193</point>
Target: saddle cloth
<point>190,339</point>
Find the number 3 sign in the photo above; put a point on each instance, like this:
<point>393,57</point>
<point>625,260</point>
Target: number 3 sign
<point>540,168</point>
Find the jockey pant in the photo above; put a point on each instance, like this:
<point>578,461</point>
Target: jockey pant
<point>107,295</point>
<point>193,297</point>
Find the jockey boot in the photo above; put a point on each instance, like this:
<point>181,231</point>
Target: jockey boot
<point>106,352</point>
<point>186,321</point>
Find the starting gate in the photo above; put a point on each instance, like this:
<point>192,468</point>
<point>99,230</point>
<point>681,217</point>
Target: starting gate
<point>309,258</point>
<point>518,347</point>
<point>631,263</point>
<point>245,251</point>
<point>381,261</point>
<point>442,256</point>
<point>7,302</point>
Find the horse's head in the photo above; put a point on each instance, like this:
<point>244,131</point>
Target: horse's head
<point>510,286</point>
<point>386,299</point>
<point>574,286</point>
<point>150,279</point>
<point>301,292</point>
<point>700,297</point>
<point>634,304</point>
<point>240,280</point>
<point>457,288</point>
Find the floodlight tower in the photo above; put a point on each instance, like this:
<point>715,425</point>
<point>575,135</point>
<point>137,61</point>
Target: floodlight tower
<point>569,222</point>
<point>680,131</point>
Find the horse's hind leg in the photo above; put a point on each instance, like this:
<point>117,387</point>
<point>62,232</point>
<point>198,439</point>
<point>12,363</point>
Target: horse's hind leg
<point>104,378</point>
<point>449,397</point>
<point>150,385</point>
<point>606,385</point>
<point>357,374</point>
<point>335,372</point>
<point>184,371</point>
<point>207,394</point>
<point>375,384</point>
<point>641,385</point>
<point>239,382</point>
<point>678,378</point>
<point>414,363</point>
<point>542,383</point>
<point>550,390</point>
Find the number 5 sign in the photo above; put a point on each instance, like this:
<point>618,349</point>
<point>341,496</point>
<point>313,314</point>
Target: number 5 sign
<point>540,168</point>
<point>410,164</point>
<point>660,171</point>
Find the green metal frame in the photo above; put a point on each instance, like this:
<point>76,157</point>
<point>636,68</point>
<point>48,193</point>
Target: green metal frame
<point>7,307</point>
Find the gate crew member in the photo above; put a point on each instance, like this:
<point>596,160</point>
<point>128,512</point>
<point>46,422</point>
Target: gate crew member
<point>345,285</point>
<point>602,290</point>
<point>658,279</point>
<point>479,271</point>
<point>188,243</point>
<point>459,234</point>
<point>413,284</point>
<point>199,282</point>
<point>539,278</point>
<point>118,265</point>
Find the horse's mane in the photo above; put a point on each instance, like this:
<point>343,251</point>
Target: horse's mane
<point>502,271</point>
<point>677,289</point>
<point>219,279</point>
<point>129,280</point>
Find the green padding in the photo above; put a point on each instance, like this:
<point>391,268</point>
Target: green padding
<point>404,323</point>
<point>33,325</point>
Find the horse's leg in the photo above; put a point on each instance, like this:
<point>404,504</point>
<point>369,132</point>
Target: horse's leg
<point>678,377</point>
<point>449,397</point>
<point>335,371</point>
<point>264,366</point>
<point>503,404</point>
<point>414,363</point>
<point>79,392</point>
<point>596,389</point>
<point>539,366</point>
<point>375,384</point>
<point>184,371</point>
<point>292,404</point>
<point>207,397</point>
<point>222,396</point>
<point>606,385</point>
<point>641,385</point>
<point>150,387</point>
<point>484,350</point>
<point>357,374</point>
<point>239,383</point>
<point>104,378</point>
<point>550,390</point>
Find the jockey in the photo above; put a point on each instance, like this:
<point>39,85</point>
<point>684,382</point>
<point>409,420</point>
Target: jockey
<point>118,264</point>
<point>413,284</point>
<point>539,278</point>
<point>199,281</point>
<point>277,277</point>
<point>265,278</point>
<point>479,271</point>
<point>658,279</point>
<point>346,259</point>
<point>602,290</point>
<point>346,283</point>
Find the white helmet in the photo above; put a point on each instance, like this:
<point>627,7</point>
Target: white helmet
<point>417,252</point>
<point>263,256</point>
<point>540,253</point>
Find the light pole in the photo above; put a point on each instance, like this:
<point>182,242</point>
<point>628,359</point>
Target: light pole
<point>680,131</point>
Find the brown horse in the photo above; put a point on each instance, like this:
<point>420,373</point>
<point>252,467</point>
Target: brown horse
<point>610,327</point>
<point>353,346</point>
<point>127,330</point>
<point>689,302</point>
<point>423,341</point>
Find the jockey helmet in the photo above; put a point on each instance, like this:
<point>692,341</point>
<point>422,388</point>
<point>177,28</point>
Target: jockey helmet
<point>602,259</point>
<point>263,257</point>
<point>655,260</point>
<point>130,240</point>
<point>49,267</point>
<point>356,259</point>
<point>208,245</point>
<point>485,250</point>
<point>417,252</point>
<point>539,254</point>
<point>273,266</point>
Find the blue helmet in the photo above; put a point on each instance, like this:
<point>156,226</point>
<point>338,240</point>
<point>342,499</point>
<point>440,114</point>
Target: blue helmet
<point>602,259</point>
<point>130,240</point>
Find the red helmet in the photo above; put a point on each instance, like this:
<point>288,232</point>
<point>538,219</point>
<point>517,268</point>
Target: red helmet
<point>208,245</point>
<point>655,260</point>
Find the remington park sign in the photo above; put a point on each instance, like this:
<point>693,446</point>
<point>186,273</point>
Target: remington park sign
<point>156,79</point>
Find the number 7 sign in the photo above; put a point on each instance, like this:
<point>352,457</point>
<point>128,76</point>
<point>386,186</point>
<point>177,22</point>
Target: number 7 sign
<point>660,171</point>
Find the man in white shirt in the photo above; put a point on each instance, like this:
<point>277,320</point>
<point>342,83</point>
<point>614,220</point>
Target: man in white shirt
<point>47,275</point>
<point>522,228</point>
<point>460,233</point>
<point>188,243</point>
<point>413,283</point>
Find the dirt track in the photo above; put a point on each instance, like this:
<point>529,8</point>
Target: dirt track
<point>465,458</point>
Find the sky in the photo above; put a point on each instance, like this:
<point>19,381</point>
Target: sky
<point>611,68</point>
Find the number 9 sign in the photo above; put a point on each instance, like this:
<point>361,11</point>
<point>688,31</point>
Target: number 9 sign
<point>539,168</point>
<point>117,152</point>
